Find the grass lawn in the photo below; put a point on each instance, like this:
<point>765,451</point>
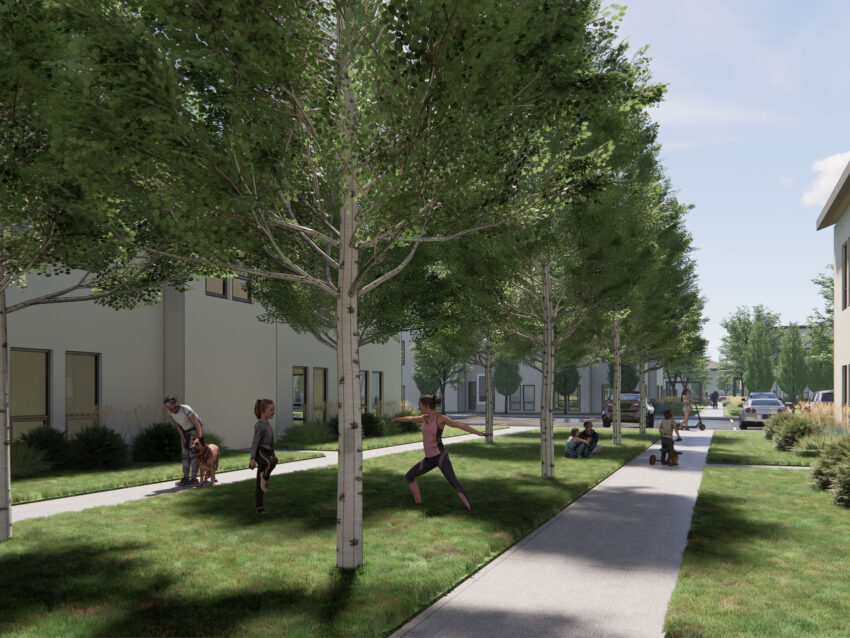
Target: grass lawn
<point>767,556</point>
<point>373,443</point>
<point>72,484</point>
<point>201,562</point>
<point>750,448</point>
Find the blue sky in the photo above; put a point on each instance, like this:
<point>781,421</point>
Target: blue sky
<point>754,133</point>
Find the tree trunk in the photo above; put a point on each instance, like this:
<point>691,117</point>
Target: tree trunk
<point>5,454</point>
<point>349,538</point>
<point>547,439</point>
<point>489,362</point>
<point>642,373</point>
<point>617,425</point>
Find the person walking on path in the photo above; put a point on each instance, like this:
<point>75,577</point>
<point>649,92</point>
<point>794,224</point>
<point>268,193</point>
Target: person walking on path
<point>190,427</point>
<point>686,408</point>
<point>714,396</point>
<point>262,450</point>
<point>436,454</point>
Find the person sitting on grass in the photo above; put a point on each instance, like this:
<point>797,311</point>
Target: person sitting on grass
<point>576,447</point>
<point>592,437</point>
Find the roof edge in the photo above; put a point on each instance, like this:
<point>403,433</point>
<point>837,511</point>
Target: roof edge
<point>838,201</point>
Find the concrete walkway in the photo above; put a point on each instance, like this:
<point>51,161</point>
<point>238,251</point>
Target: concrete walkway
<point>605,566</point>
<point>124,495</point>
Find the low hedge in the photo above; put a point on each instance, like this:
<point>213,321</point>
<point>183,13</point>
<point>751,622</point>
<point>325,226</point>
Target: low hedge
<point>98,448</point>
<point>27,461</point>
<point>787,429</point>
<point>51,442</point>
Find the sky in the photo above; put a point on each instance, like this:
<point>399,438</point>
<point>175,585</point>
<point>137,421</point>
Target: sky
<point>754,134</point>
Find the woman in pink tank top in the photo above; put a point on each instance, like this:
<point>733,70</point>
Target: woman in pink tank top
<point>436,454</point>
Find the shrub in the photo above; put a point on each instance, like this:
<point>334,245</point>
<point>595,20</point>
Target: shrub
<point>211,438</point>
<point>813,444</point>
<point>405,426</point>
<point>157,442</point>
<point>372,424</point>
<point>98,448</point>
<point>53,443</point>
<point>313,433</point>
<point>842,485</point>
<point>832,458</point>
<point>788,428</point>
<point>27,461</point>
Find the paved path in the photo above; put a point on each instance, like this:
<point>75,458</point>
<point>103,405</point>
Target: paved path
<point>605,566</point>
<point>123,495</point>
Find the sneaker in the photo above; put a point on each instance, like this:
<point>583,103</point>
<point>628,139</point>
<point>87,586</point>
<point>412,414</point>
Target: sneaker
<point>193,481</point>
<point>182,482</point>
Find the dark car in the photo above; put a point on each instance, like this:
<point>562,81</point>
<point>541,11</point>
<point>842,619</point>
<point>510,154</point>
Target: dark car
<point>629,409</point>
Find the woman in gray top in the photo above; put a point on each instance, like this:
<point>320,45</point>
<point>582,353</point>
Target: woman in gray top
<point>262,449</point>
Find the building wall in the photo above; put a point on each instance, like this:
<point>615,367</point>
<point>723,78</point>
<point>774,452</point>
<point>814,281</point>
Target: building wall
<point>841,359</point>
<point>211,352</point>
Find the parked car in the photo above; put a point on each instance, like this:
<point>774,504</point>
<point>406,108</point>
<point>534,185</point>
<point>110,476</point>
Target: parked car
<point>629,409</point>
<point>758,410</point>
<point>823,396</point>
<point>762,395</point>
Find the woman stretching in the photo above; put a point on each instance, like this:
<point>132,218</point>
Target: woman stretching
<point>435,452</point>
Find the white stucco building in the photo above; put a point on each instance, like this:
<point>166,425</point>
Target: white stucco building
<point>74,364</point>
<point>836,213</point>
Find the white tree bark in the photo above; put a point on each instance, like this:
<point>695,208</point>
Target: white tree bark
<point>349,538</point>
<point>5,455</point>
<point>547,440</point>
<point>617,425</point>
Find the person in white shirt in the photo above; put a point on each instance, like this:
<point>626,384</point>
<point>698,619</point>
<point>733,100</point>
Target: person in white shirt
<point>190,428</point>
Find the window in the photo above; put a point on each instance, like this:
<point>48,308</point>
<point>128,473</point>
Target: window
<point>845,380</point>
<point>606,392</point>
<point>299,393</point>
<point>377,392</point>
<point>240,290</point>
<point>528,398</point>
<point>402,352</point>
<point>364,391</point>
<point>81,391</point>
<point>403,397</point>
<point>515,402</point>
<point>29,380</point>
<point>845,275</point>
<point>216,287</point>
<point>320,394</point>
<point>482,391</point>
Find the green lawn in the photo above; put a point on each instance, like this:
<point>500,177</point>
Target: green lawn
<point>749,448</point>
<point>201,562</point>
<point>72,484</point>
<point>373,443</point>
<point>767,556</point>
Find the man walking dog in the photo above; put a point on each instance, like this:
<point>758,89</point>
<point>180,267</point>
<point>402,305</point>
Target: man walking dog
<point>190,428</point>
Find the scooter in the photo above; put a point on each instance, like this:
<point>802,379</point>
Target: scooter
<point>700,425</point>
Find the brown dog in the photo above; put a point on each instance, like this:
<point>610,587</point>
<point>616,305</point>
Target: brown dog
<point>207,456</point>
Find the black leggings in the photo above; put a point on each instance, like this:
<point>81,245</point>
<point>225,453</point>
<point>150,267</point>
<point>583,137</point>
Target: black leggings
<point>442,461</point>
<point>266,461</point>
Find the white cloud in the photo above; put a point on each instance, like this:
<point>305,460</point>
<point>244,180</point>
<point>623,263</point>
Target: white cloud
<point>829,170</point>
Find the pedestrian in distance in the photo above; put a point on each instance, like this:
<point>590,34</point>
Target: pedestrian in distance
<point>262,450</point>
<point>436,454</point>
<point>592,437</point>
<point>576,446</point>
<point>686,408</point>
<point>190,427</point>
<point>715,397</point>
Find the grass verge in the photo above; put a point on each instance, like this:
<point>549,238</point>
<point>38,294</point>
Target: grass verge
<point>76,483</point>
<point>766,556</point>
<point>373,443</point>
<point>201,562</point>
<point>750,448</point>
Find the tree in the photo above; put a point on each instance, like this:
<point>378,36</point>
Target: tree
<point>820,335</point>
<point>436,367</point>
<point>566,382</point>
<point>793,374</point>
<point>628,377</point>
<point>506,378</point>
<point>323,143</point>
<point>734,344</point>
<point>758,362</point>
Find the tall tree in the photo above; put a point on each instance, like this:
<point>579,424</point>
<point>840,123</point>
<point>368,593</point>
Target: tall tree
<point>436,367</point>
<point>758,362</point>
<point>734,344</point>
<point>793,373</point>
<point>506,378</point>
<point>820,335</point>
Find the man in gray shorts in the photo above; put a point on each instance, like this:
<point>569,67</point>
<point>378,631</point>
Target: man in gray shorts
<point>190,428</point>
